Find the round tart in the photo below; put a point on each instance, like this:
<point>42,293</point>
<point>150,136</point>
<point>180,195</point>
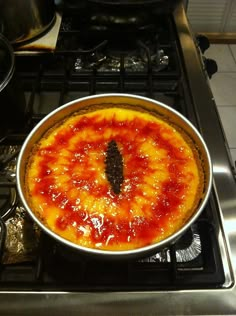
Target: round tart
<point>114,178</point>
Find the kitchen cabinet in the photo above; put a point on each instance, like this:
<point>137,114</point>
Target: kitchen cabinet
<point>212,16</point>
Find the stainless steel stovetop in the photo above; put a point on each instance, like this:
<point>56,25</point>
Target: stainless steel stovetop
<point>178,285</point>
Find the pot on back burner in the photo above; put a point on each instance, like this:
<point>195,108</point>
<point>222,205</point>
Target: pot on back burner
<point>22,21</point>
<point>12,99</point>
<point>161,5</point>
<point>119,21</point>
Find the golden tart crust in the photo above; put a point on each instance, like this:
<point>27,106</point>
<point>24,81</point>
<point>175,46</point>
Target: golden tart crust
<point>68,189</point>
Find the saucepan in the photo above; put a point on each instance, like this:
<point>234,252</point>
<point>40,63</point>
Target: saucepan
<point>12,98</point>
<point>23,20</point>
<point>113,101</point>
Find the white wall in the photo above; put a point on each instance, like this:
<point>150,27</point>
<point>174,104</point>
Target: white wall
<point>212,15</point>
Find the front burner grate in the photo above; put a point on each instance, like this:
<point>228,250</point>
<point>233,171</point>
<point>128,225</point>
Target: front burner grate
<point>54,267</point>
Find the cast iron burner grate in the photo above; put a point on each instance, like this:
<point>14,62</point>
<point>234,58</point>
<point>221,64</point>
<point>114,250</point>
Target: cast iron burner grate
<point>187,264</point>
<point>35,261</point>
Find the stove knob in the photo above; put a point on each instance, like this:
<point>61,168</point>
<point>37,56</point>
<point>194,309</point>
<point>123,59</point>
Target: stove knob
<point>203,43</point>
<point>210,66</point>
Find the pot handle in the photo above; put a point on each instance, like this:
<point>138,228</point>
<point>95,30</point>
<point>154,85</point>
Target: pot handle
<point>3,231</point>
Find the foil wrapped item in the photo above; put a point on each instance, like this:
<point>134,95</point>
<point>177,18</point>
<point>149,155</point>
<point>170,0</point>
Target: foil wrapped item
<point>22,235</point>
<point>186,254</point>
<point>22,238</point>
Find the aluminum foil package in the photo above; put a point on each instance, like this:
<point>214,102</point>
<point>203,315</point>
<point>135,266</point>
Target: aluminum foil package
<point>22,238</point>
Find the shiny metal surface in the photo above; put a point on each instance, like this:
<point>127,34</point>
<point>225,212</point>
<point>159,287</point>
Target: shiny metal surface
<point>132,102</point>
<point>22,20</point>
<point>220,301</point>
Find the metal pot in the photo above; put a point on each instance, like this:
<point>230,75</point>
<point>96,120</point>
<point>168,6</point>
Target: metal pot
<point>132,101</point>
<point>22,20</point>
<point>161,4</point>
<point>12,98</point>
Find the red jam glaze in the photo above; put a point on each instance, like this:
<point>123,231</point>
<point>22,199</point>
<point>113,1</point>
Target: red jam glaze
<point>129,135</point>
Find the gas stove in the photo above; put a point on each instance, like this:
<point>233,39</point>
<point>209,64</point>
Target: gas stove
<point>160,59</point>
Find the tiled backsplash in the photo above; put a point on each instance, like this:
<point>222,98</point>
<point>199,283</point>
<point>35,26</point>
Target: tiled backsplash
<point>223,85</point>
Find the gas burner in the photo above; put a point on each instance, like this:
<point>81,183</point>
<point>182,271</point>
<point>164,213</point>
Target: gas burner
<point>187,249</point>
<point>142,59</point>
